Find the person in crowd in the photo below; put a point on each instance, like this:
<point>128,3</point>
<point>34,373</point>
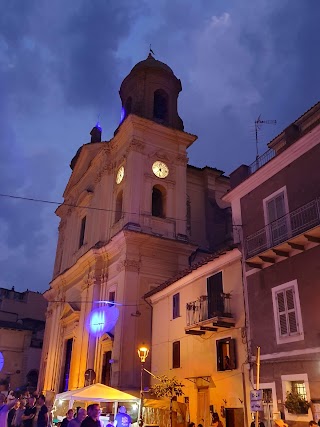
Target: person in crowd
<point>122,418</point>
<point>92,419</point>
<point>29,412</point>
<point>192,424</point>
<point>12,411</point>
<point>17,419</point>
<point>216,420</point>
<point>4,409</point>
<point>312,423</point>
<point>200,425</point>
<point>260,424</point>
<point>43,418</point>
<point>81,414</point>
<point>67,419</point>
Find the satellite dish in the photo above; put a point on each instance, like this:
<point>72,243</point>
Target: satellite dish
<point>102,320</point>
<point>1,361</point>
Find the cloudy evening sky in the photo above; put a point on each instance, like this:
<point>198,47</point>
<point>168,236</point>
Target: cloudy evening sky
<point>62,63</point>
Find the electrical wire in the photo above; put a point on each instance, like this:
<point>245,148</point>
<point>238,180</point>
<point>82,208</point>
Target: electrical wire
<point>96,302</point>
<point>71,205</point>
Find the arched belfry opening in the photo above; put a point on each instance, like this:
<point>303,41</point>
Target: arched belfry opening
<point>119,206</point>
<point>160,106</point>
<point>151,91</point>
<point>158,201</point>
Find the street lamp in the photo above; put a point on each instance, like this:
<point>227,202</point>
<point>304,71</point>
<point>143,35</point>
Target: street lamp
<point>143,354</point>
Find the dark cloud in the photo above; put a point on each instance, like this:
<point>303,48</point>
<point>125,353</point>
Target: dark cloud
<point>62,62</point>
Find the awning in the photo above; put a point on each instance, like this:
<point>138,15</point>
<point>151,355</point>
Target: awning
<point>97,393</point>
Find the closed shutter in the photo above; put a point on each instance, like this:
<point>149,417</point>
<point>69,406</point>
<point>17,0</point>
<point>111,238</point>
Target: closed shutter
<point>277,219</point>
<point>176,354</point>
<point>175,306</point>
<point>282,313</point>
<point>288,324</point>
<point>292,318</point>
<point>276,208</point>
<point>233,354</point>
<point>215,298</point>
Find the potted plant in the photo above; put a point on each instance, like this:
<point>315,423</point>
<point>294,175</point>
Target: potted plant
<point>296,403</point>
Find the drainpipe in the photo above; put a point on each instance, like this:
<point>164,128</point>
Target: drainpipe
<point>247,322</point>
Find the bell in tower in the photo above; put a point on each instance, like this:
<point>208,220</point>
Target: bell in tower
<point>151,91</point>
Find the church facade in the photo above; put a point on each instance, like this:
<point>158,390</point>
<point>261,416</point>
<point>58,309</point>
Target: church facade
<point>134,215</point>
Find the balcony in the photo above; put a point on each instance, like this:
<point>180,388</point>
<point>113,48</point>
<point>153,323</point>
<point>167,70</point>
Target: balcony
<point>206,314</point>
<point>261,161</point>
<point>277,239</point>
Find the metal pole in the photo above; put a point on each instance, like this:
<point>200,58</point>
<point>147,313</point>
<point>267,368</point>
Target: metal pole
<point>258,382</point>
<point>141,396</point>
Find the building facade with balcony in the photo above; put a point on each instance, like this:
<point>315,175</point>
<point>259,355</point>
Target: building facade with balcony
<point>276,211</point>
<point>198,335</point>
<point>134,213</point>
<point>22,324</point>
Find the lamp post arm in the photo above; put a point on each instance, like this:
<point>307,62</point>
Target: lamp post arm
<point>150,373</point>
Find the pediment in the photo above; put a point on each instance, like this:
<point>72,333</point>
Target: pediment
<point>81,163</point>
<point>70,312</point>
<point>106,337</point>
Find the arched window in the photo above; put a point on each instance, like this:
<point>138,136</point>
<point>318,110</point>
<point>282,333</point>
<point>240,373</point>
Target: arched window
<point>160,105</point>
<point>119,201</point>
<point>158,201</point>
<point>128,106</point>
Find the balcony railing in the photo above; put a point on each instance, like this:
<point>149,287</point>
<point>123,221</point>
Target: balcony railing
<point>284,228</point>
<point>202,309</point>
<point>261,161</point>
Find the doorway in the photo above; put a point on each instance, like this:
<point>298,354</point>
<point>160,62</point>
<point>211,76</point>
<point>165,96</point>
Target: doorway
<point>203,407</point>
<point>234,417</point>
<point>267,406</point>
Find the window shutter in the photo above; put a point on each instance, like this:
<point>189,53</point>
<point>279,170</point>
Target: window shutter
<point>272,213</point>
<point>215,298</point>
<point>292,318</point>
<point>276,208</point>
<point>175,306</point>
<point>282,313</point>
<point>176,354</point>
<point>279,202</point>
<point>233,354</point>
<point>219,356</point>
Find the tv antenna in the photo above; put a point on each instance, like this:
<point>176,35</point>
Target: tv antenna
<point>257,125</point>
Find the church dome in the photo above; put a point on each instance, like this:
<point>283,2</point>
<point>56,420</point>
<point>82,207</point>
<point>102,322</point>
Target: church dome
<point>151,62</point>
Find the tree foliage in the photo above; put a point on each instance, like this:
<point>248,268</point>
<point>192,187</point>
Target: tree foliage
<point>168,387</point>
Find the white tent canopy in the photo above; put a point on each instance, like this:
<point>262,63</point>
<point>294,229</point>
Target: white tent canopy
<point>96,393</point>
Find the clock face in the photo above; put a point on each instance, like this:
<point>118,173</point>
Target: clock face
<point>160,169</point>
<point>120,175</point>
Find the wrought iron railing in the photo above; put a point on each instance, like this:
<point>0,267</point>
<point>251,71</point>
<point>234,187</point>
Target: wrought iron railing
<point>290,225</point>
<point>261,161</point>
<point>201,309</point>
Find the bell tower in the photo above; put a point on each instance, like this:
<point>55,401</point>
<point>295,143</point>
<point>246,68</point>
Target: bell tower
<point>151,153</point>
<point>151,91</point>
